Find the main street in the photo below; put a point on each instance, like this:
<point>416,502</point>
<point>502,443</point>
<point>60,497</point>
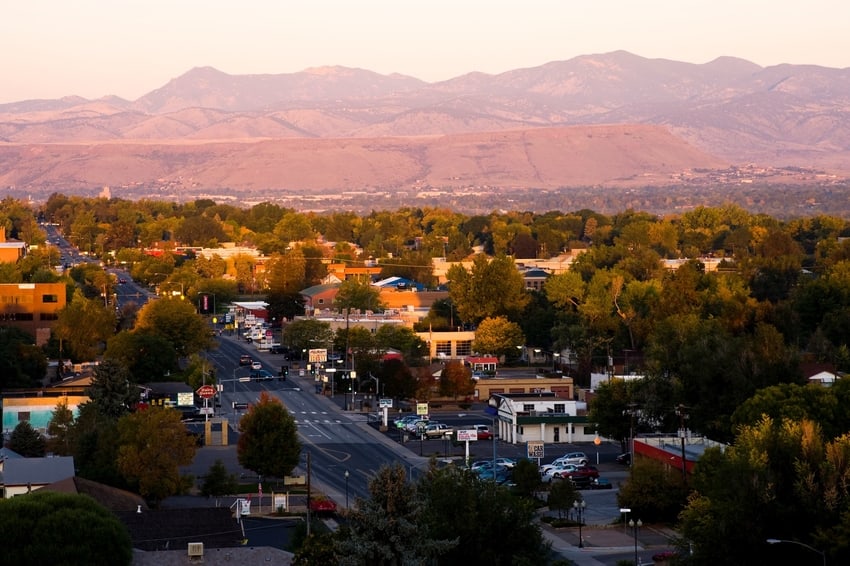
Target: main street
<point>337,441</point>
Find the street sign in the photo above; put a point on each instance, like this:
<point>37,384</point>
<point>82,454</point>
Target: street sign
<point>467,434</point>
<point>317,355</point>
<point>534,449</point>
<point>421,409</point>
<point>206,391</point>
<point>385,403</point>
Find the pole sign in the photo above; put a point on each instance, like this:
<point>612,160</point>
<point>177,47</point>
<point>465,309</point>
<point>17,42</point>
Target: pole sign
<point>467,435</point>
<point>206,391</point>
<point>421,409</point>
<point>317,355</point>
<point>385,403</point>
<point>534,449</point>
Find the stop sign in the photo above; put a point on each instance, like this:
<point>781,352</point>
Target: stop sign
<point>206,391</point>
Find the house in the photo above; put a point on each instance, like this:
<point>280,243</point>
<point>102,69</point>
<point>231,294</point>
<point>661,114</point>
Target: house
<point>543,416</point>
<point>23,475</point>
<point>318,297</point>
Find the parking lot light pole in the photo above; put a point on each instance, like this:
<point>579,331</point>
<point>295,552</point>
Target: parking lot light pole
<point>635,526</point>
<point>346,490</point>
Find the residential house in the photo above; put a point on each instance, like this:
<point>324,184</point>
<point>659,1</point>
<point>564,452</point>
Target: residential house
<point>23,475</point>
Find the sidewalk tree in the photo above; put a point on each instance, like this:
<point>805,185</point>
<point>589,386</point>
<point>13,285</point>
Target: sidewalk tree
<point>268,439</point>
<point>47,527</point>
<point>562,494</point>
<point>153,446</point>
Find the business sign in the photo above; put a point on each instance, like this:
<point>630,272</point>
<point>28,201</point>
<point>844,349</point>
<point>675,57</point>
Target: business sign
<point>385,403</point>
<point>421,409</point>
<point>317,355</point>
<point>467,435</point>
<point>534,449</point>
<point>206,391</point>
<point>186,399</point>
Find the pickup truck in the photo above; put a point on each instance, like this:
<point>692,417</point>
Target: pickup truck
<point>437,430</point>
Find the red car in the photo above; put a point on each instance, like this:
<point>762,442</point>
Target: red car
<point>483,431</point>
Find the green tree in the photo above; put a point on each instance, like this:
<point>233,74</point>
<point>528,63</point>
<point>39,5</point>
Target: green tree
<point>492,288</point>
<point>526,477</point>
<point>83,326</point>
<point>358,294</point>
<point>22,363</point>
<point>498,336</point>
<point>27,441</point>
<point>654,489</point>
<point>268,438</point>
<point>384,530</point>
<point>562,494</point>
<point>153,446</point>
<point>177,322</point>
<point>59,429</point>
<point>218,483</point>
<point>146,355</point>
<point>306,333</point>
<point>610,410</point>
<point>111,391</point>
<point>62,529</point>
<point>490,525</point>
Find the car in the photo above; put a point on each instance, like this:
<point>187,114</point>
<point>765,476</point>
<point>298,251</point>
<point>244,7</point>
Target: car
<point>624,459</point>
<point>582,472</point>
<point>414,425</point>
<point>256,365</point>
<point>401,422</point>
<point>483,431</point>
<point>437,430</point>
<point>577,458</point>
<point>121,281</point>
<point>558,472</point>
<point>245,360</point>
<point>508,463</point>
<point>601,483</point>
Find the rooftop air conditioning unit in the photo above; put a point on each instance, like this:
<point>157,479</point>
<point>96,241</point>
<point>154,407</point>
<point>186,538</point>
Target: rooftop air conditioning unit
<point>196,550</point>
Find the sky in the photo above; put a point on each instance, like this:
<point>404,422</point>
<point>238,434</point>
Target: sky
<point>94,48</point>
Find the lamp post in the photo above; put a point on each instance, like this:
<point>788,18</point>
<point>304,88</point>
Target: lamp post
<point>580,506</point>
<point>635,526</point>
<point>798,543</point>
<point>555,357</point>
<point>346,490</point>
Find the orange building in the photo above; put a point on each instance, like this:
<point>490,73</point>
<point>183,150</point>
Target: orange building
<point>32,307</point>
<point>10,252</point>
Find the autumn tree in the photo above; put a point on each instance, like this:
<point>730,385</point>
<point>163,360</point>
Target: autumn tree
<point>456,380</point>
<point>268,438</point>
<point>153,446</point>
<point>357,294</point>
<point>27,441</point>
<point>83,326</point>
<point>498,336</point>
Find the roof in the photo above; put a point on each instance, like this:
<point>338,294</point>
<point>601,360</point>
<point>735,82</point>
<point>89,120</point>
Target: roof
<point>252,305</point>
<point>37,471</point>
<point>173,529</point>
<point>482,359</point>
<point>318,289</point>
<point>114,499</point>
<point>168,387</point>
<point>244,555</point>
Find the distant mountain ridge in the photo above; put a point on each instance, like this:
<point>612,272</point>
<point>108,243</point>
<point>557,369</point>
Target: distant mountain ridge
<point>727,111</point>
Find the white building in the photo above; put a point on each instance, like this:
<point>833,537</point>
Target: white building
<point>544,416</point>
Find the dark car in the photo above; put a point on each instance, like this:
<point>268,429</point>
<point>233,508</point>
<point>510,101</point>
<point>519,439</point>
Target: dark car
<point>245,360</point>
<point>625,458</point>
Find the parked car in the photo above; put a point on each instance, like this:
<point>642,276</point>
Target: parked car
<point>437,430</point>
<point>414,425</point>
<point>506,462</point>
<point>483,431</point>
<point>577,458</point>
<point>625,459</point>
<point>580,472</point>
<point>557,472</point>
<point>402,422</point>
<point>601,483</point>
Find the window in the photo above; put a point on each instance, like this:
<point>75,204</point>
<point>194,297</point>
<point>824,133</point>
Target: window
<point>444,347</point>
<point>49,316</point>
<point>464,348</point>
<point>559,408</point>
<point>23,416</point>
<point>50,298</point>
<point>321,301</point>
<point>527,407</point>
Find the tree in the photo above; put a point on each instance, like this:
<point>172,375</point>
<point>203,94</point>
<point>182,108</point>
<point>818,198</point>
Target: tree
<point>146,355</point>
<point>384,530</point>
<point>498,336</point>
<point>526,477</point>
<point>111,391</point>
<point>268,441</point>
<point>654,488</point>
<point>562,494</point>
<point>62,529</point>
<point>59,429</point>
<point>307,333</point>
<point>27,441</point>
<point>218,482</point>
<point>491,525</point>
<point>358,294</point>
<point>456,380</point>
<point>83,326</point>
<point>610,410</point>
<point>153,446</point>
<point>22,363</point>
<point>492,288</point>
<point>178,323</point>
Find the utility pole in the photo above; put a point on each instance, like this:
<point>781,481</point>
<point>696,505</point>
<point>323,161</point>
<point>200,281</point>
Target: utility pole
<point>682,411</point>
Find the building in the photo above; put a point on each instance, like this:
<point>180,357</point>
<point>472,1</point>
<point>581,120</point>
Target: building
<point>23,475</point>
<point>10,252</point>
<point>543,416</point>
<point>679,453</point>
<point>37,406</point>
<point>448,345</point>
<point>32,307</point>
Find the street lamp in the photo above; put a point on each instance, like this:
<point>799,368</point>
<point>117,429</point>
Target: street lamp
<point>555,357</point>
<point>580,507</point>
<point>346,490</point>
<point>635,526</point>
<point>804,545</point>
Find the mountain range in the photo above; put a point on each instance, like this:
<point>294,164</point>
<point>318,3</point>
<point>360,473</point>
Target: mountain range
<point>613,119</point>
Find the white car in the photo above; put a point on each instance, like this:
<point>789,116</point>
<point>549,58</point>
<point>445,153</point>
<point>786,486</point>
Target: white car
<point>256,365</point>
<point>558,472</point>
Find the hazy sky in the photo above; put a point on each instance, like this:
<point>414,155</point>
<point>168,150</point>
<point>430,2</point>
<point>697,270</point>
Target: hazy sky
<point>93,48</point>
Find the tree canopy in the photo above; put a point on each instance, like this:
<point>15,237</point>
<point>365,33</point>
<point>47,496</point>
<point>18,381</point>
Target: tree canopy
<point>268,439</point>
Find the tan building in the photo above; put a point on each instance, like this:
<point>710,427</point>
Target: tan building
<point>10,252</point>
<point>32,307</point>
